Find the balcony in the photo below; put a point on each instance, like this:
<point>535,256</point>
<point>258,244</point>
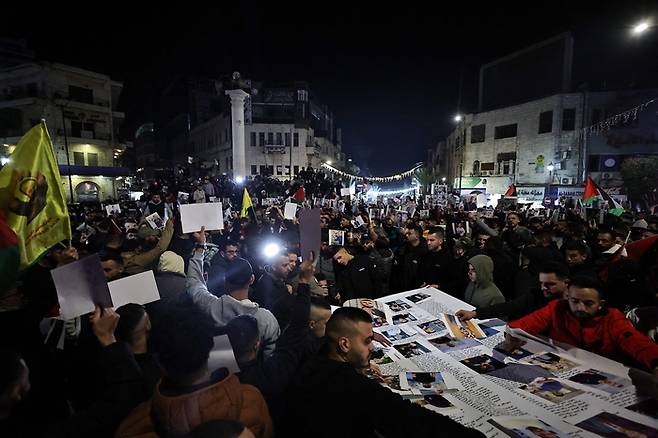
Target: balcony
<point>93,105</point>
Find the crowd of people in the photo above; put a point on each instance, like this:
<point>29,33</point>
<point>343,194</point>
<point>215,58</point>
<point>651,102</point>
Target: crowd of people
<point>304,370</point>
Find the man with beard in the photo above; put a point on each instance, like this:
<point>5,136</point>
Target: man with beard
<point>584,320</point>
<point>338,374</point>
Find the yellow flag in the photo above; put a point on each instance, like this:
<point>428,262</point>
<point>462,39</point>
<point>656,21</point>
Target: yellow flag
<point>31,196</point>
<point>246,203</point>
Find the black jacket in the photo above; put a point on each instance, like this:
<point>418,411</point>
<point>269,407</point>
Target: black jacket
<point>408,264</point>
<point>515,308</point>
<point>438,268</point>
<point>359,279</point>
<point>273,374</point>
<point>272,294</point>
<point>326,387</point>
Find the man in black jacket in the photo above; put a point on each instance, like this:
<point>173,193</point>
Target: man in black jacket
<point>356,276</point>
<point>408,260</point>
<point>437,265</point>
<point>272,292</point>
<point>553,282</point>
<point>576,254</point>
<point>273,374</point>
<point>333,382</point>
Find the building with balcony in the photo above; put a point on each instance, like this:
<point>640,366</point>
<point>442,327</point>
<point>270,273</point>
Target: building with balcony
<point>285,129</point>
<point>79,107</point>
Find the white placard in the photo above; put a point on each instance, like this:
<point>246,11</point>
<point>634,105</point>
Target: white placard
<point>222,356</point>
<point>345,192</point>
<point>290,210</point>
<point>195,216</point>
<point>139,289</point>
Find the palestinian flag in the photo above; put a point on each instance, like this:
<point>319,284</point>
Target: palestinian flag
<point>614,207</point>
<point>511,191</point>
<point>591,193</point>
<point>10,258</point>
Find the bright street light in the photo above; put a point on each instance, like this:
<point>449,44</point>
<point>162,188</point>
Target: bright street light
<point>443,179</point>
<point>329,162</point>
<point>550,167</point>
<point>640,28</point>
<point>458,118</point>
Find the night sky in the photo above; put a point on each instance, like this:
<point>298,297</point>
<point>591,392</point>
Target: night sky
<point>390,75</point>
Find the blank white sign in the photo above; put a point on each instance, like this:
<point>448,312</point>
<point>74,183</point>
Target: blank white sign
<point>195,216</point>
<point>290,210</point>
<point>138,289</point>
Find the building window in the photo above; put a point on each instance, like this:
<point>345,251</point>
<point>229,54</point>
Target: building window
<point>261,139</point>
<point>253,169</point>
<point>287,139</point>
<point>227,162</point>
<point>92,159</point>
<point>295,139</point>
<point>279,139</point>
<point>279,170</point>
<point>287,170</point>
<point>545,122</point>
<point>296,170</point>
<point>270,138</point>
<point>225,134</point>
<point>80,94</point>
<point>209,144</point>
<point>302,95</point>
<point>505,131</point>
<point>476,167</point>
<point>270,170</point>
<point>263,170</point>
<point>252,139</point>
<point>79,158</point>
<point>477,133</point>
<point>568,119</point>
<point>506,163</point>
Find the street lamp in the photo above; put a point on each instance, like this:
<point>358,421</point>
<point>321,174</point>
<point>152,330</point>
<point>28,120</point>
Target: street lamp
<point>443,179</point>
<point>328,162</point>
<point>458,118</point>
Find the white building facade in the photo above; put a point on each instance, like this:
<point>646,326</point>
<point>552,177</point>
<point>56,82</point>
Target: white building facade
<point>75,102</point>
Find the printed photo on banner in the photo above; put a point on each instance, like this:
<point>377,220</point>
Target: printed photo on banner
<point>602,381</point>
<point>483,364</point>
<point>551,389</point>
<point>447,344</point>
<point>610,425</point>
<point>393,383</point>
<point>376,310</point>
<point>526,427</point>
<point>397,306</point>
<point>436,403</point>
<point>423,383</point>
<point>551,362</point>
<point>381,356</point>
<point>395,334</point>
<point>418,297</point>
<point>462,329</point>
<point>517,353</point>
<point>412,349</point>
<point>403,318</point>
<point>431,327</point>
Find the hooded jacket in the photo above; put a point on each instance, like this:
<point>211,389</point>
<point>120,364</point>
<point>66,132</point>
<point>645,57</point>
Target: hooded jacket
<point>225,308</point>
<point>483,292</point>
<point>180,411</point>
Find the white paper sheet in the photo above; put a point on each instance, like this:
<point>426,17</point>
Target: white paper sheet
<point>290,210</point>
<point>194,216</point>
<point>139,289</point>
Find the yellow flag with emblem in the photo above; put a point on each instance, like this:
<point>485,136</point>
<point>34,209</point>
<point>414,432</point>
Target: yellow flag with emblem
<point>32,198</point>
<point>246,204</point>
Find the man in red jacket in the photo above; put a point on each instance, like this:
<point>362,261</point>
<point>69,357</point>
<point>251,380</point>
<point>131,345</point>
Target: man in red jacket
<point>583,320</point>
